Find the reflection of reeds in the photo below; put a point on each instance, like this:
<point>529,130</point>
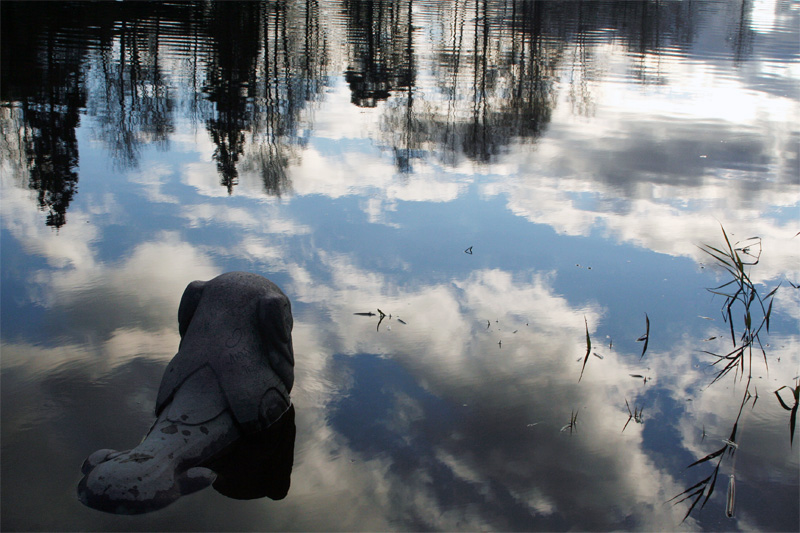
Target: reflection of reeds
<point>573,423</point>
<point>705,488</point>
<point>740,295</point>
<point>635,415</point>
<point>588,348</point>
<point>793,409</point>
<point>645,337</point>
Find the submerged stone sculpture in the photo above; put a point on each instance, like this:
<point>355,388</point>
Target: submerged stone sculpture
<point>225,389</point>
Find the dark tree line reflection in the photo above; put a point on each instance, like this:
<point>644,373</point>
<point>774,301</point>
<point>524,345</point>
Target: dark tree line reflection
<point>248,72</point>
<point>380,49</point>
<point>44,79</point>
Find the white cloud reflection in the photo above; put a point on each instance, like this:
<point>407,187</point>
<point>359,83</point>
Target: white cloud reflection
<point>509,400</point>
<point>499,349</point>
<point>447,346</point>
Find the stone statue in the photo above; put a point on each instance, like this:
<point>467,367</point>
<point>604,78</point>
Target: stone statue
<point>227,388</point>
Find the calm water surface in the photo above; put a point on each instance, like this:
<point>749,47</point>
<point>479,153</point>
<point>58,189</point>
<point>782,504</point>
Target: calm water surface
<point>502,179</point>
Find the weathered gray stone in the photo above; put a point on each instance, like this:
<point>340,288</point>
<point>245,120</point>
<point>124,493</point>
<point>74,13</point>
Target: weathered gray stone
<point>230,378</point>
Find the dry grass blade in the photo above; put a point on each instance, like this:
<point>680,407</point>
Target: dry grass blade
<point>698,489</point>
<point>588,348</point>
<point>646,335</point>
<point>635,415</point>
<point>573,422</point>
<point>630,416</point>
<point>709,457</point>
<point>793,409</point>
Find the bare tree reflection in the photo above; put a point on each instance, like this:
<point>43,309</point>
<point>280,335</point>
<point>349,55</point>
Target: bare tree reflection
<point>249,72</point>
<point>230,81</point>
<point>741,35</point>
<point>133,108</point>
<point>498,66</point>
<point>291,73</point>
<point>45,76</point>
<point>380,57</point>
<point>496,73</point>
<point>266,65</point>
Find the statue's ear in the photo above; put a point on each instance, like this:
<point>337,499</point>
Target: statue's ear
<point>275,326</point>
<point>189,300</point>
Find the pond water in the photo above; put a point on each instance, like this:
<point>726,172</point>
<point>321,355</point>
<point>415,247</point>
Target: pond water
<point>519,192</point>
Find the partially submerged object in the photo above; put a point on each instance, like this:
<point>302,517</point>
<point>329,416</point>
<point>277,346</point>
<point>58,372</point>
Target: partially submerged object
<point>226,389</point>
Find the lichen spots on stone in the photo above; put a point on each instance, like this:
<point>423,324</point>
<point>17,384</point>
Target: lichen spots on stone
<point>169,430</point>
<point>186,432</point>
<point>204,430</point>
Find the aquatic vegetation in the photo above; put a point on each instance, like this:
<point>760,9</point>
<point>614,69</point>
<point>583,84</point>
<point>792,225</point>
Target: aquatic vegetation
<point>588,348</point>
<point>645,337</point>
<point>573,423</point>
<point>741,298</point>
<point>636,415</point>
<point>793,409</point>
<point>703,489</point>
<point>381,315</point>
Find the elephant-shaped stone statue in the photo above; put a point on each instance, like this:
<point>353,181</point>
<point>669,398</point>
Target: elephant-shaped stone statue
<point>226,389</point>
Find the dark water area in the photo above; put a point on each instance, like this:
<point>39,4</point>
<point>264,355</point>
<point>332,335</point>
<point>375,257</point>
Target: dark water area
<point>492,219</point>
